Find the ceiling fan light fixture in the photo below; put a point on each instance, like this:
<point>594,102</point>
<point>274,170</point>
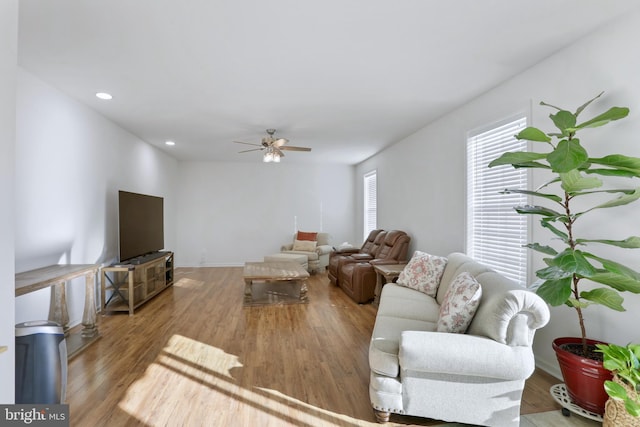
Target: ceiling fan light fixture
<point>268,157</point>
<point>272,148</point>
<point>271,155</point>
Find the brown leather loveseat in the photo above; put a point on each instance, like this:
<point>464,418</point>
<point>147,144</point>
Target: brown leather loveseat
<point>357,278</point>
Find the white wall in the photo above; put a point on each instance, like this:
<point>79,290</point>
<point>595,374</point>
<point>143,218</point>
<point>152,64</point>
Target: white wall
<point>422,178</point>
<point>70,163</point>
<point>8,61</point>
<point>229,213</point>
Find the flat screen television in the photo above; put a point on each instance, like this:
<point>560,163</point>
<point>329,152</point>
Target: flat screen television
<point>140,224</point>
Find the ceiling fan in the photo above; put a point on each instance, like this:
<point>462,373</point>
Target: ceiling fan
<point>272,147</point>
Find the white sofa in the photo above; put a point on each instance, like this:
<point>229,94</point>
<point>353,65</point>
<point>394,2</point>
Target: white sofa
<point>476,377</point>
<point>318,259</point>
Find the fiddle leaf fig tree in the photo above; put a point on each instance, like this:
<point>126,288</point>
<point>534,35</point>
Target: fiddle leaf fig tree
<point>574,174</point>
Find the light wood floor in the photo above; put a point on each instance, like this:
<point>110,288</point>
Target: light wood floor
<point>194,356</point>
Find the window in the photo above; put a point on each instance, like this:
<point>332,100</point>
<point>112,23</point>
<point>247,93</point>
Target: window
<point>370,203</point>
<point>496,233</point>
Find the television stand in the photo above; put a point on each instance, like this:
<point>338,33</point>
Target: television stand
<point>132,284</point>
<point>145,258</point>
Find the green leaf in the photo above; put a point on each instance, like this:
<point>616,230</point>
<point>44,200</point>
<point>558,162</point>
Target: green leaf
<point>540,248</point>
<point>619,162</point>
<point>607,297</point>
<point>613,113</point>
<point>633,408</point>
<point>568,155</point>
<point>533,193</point>
<point>516,158</point>
<point>562,235</point>
<point>549,105</point>
<point>537,165</point>
<point>553,273</point>
<point>614,267</point>
<point>533,134</point>
<point>632,242</point>
<point>619,282</point>
<point>586,104</point>
<point>563,120</point>
<point>574,262</point>
<point>612,172</point>
<point>548,183</point>
<point>573,303</point>
<point>555,292</point>
<point>573,181</point>
<point>615,390</point>
<point>537,210</point>
<point>621,200</point>
<point>616,191</point>
<point>584,167</point>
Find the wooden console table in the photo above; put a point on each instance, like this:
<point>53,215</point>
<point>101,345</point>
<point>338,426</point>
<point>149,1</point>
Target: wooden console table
<point>55,276</point>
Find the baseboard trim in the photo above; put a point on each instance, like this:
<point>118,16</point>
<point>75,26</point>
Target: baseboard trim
<point>551,369</point>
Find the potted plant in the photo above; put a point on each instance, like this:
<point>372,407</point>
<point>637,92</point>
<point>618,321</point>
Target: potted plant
<point>623,406</point>
<point>574,175</point>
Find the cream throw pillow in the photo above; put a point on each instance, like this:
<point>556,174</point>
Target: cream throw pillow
<point>304,245</point>
<point>423,273</point>
<point>459,304</point>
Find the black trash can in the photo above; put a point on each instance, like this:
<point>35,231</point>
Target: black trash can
<point>41,362</point>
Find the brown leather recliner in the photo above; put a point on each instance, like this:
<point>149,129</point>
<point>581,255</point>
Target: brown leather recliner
<point>368,249</point>
<point>358,279</point>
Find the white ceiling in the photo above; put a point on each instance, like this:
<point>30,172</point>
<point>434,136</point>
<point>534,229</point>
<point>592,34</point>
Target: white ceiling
<point>344,77</point>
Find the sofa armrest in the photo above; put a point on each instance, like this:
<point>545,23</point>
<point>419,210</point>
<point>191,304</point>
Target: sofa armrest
<point>361,257</point>
<point>510,317</point>
<point>287,247</point>
<point>323,249</point>
<point>464,355</point>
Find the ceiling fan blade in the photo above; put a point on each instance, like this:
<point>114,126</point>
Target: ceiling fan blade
<point>247,143</point>
<point>280,142</point>
<point>278,152</point>
<point>253,149</point>
<point>292,148</point>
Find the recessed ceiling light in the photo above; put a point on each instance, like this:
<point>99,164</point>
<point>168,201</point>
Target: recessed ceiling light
<point>104,95</point>
<point>170,143</point>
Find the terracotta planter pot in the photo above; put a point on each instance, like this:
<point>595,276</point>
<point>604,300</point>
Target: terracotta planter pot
<point>584,378</point>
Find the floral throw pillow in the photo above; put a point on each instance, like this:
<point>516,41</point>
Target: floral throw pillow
<point>423,273</point>
<point>459,304</point>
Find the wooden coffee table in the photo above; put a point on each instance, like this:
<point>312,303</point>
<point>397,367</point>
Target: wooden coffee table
<point>274,272</point>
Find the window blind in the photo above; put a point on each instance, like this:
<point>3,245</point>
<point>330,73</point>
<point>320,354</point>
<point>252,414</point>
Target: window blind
<point>370,203</point>
<point>496,233</point>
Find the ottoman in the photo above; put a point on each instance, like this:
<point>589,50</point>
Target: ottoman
<point>280,257</point>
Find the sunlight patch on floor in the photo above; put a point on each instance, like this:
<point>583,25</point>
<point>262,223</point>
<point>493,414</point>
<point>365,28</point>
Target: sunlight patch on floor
<point>188,283</point>
<point>194,377</point>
